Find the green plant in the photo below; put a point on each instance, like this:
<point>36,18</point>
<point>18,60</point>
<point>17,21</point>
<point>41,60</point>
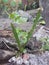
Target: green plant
<point>20,5</point>
<point>8,5</point>
<point>5,1</point>
<point>17,18</point>
<point>25,7</point>
<point>42,22</point>
<point>29,4</point>
<point>22,35</point>
<point>45,42</point>
<point>21,45</point>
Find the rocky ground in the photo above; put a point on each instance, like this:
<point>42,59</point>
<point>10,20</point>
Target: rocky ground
<point>8,47</point>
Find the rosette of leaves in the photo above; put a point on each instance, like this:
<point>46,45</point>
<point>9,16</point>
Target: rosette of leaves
<point>17,18</point>
<point>23,37</point>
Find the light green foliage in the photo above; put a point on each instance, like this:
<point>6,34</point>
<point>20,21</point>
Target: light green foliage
<point>34,5</point>
<point>5,1</point>
<point>25,7</point>
<point>42,22</point>
<point>35,22</point>
<point>13,3</point>
<point>15,32</point>
<point>14,16</point>
<point>23,37</point>
<point>45,42</point>
<point>40,18</point>
<point>8,5</point>
<point>17,18</point>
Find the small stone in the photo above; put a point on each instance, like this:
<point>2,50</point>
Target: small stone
<point>13,59</point>
<point>5,55</point>
<point>26,62</point>
<point>41,33</point>
<point>19,61</point>
<point>33,59</point>
<point>24,14</point>
<point>25,56</point>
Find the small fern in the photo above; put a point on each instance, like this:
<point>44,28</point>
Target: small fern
<point>21,47</point>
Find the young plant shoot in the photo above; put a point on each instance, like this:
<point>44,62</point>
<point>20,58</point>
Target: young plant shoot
<point>24,37</point>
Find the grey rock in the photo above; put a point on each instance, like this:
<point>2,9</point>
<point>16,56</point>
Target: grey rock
<point>7,44</point>
<point>25,14</point>
<point>41,33</point>
<point>44,4</point>
<point>39,59</point>
<point>12,59</point>
<point>12,63</point>
<point>33,45</point>
<point>45,12</point>
<point>25,62</point>
<point>19,61</point>
<point>24,26</point>
<point>42,59</point>
<point>34,59</point>
<point>4,23</point>
<point>2,45</point>
<point>5,55</point>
